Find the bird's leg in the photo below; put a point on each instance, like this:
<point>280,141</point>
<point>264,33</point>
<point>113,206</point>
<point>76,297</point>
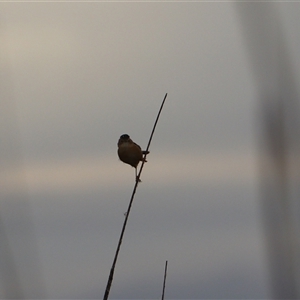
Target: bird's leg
<point>136,177</point>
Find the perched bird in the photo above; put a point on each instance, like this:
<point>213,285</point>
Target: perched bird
<point>129,152</point>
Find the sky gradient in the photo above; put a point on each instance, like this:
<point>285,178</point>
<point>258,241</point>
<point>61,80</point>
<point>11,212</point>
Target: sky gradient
<point>75,76</point>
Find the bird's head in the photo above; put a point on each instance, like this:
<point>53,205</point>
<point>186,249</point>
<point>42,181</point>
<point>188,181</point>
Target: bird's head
<point>125,137</point>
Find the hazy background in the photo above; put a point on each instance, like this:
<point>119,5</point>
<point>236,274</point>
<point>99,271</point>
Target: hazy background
<point>74,77</point>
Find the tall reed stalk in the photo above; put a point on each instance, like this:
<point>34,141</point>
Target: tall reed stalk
<point>112,270</point>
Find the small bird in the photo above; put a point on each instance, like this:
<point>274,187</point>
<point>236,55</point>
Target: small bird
<point>129,152</point>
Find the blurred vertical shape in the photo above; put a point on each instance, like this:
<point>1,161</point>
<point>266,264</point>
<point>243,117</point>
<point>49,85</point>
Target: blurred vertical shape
<point>279,142</point>
<point>19,266</point>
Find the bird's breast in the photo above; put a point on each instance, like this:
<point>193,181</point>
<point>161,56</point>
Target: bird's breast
<point>130,154</point>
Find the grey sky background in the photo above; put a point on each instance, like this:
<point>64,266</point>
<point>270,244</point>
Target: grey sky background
<point>81,74</point>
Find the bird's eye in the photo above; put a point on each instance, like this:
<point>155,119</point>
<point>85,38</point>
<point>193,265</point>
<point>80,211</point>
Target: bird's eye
<point>125,136</point>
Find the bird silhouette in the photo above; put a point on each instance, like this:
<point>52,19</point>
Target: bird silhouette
<point>129,152</point>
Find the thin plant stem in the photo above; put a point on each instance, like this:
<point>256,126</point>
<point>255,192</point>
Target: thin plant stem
<point>165,277</point>
<point>112,270</point>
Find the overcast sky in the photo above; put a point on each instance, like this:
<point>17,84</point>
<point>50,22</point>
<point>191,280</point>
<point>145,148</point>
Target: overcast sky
<point>77,76</point>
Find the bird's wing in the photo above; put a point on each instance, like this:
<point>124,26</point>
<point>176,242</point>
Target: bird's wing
<point>137,145</point>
